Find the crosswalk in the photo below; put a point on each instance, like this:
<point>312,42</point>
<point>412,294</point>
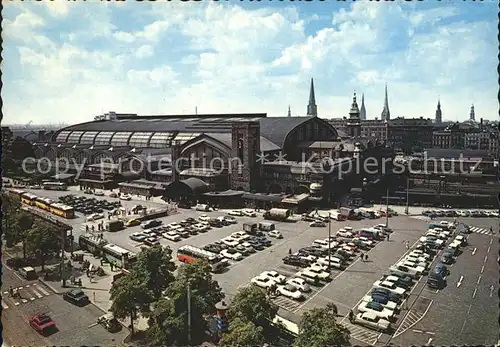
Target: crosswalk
<point>478,230</point>
<point>28,293</point>
<point>362,334</point>
<point>412,318</point>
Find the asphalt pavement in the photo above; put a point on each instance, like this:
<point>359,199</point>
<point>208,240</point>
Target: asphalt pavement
<point>76,325</point>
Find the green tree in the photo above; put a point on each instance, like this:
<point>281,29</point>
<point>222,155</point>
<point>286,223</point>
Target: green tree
<point>155,268</point>
<point>169,321</point>
<point>253,305</point>
<point>130,296</point>
<point>243,333</point>
<point>318,328</point>
<point>42,241</point>
<point>16,222</point>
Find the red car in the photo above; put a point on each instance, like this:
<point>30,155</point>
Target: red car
<point>42,323</point>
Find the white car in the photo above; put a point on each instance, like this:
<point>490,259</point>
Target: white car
<point>390,305</point>
<point>437,240</point>
<point>204,217</point>
<point>305,256</point>
<point>417,260</point>
<point>320,272</point>
<point>400,269</point>
<point>200,227</point>
<point>418,266</point>
<point>461,213</point>
<point>290,292</point>
<point>249,213</point>
<point>366,241</point>
<point>125,197</point>
<point>391,286</point>
<point>95,216</point>
<point>231,254</point>
<point>322,244</point>
<point>376,308</point>
<point>172,236</point>
<point>229,241</point>
<point>235,213</point>
<point>275,276</point>
<point>300,284</point>
<point>174,226</point>
<point>371,320</point>
<point>204,208</point>
<point>240,235</point>
<point>334,262</point>
<point>99,193</point>
<point>275,233</point>
<point>263,282</point>
<point>344,233</point>
<point>437,234</point>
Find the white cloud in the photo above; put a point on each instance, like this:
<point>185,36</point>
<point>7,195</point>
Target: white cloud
<point>224,58</point>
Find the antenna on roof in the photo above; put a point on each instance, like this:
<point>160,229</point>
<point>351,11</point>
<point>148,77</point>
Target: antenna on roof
<point>196,110</point>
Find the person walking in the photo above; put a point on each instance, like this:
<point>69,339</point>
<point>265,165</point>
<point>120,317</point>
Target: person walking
<point>366,257</point>
<point>407,244</point>
<point>290,251</point>
<point>388,237</point>
<point>362,256</point>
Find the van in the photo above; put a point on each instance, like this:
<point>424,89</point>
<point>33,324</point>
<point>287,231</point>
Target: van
<point>28,273</point>
<point>336,215</point>
<point>266,226</point>
<point>435,281</point>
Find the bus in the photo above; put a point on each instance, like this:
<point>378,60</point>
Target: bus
<point>44,203</point>
<point>29,199</point>
<point>91,243</point>
<point>54,186</point>
<point>62,210</point>
<point>189,254</point>
<point>120,256</point>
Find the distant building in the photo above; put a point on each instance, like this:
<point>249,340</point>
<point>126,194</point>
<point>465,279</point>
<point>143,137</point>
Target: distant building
<point>409,135</point>
<point>386,114</point>
<point>472,114</point>
<point>439,114</point>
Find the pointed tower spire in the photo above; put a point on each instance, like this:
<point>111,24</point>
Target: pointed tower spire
<point>312,109</point>
<point>386,114</point>
<point>289,111</point>
<point>439,115</point>
<point>472,113</point>
<point>354,123</point>
<point>362,111</point>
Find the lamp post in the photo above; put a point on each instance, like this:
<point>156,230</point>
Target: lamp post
<point>387,208</point>
<point>407,209</point>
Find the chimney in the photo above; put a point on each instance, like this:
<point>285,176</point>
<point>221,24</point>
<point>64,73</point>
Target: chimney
<point>176,162</point>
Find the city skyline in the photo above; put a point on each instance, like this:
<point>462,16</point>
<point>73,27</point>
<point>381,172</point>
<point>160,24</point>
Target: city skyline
<point>171,58</point>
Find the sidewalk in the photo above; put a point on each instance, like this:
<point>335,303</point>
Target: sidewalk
<point>97,289</point>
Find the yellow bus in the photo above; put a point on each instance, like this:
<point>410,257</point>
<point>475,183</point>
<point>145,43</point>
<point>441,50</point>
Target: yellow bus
<point>28,199</point>
<point>62,210</point>
<point>44,203</point>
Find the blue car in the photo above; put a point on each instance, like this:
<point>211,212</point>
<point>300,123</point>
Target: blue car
<point>389,295</point>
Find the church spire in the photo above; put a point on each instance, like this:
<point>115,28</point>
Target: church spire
<point>289,111</point>
<point>386,114</point>
<point>439,115</point>
<point>362,111</point>
<point>472,113</point>
<point>312,109</point>
<point>354,123</point>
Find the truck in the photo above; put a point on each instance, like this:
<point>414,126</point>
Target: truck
<point>348,213</point>
<point>278,214</point>
<point>115,225</point>
<point>250,227</point>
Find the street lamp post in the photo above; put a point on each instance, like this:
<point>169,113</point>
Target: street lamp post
<point>387,208</point>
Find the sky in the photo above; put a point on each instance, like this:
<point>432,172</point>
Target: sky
<point>66,62</point>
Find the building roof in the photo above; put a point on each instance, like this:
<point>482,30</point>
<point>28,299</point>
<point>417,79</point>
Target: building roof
<point>455,153</point>
<point>276,128</point>
<point>195,184</point>
<point>226,138</point>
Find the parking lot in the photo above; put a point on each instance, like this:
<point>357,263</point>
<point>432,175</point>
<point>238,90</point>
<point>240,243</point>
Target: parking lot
<point>350,285</point>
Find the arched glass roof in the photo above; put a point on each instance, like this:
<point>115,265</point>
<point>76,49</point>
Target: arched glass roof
<point>104,138</point>
<point>88,137</point>
<point>121,138</point>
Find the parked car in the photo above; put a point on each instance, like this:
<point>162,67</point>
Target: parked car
<point>262,281</point>
<point>132,222</point>
<point>317,224</point>
<point>390,286</point>
<point>376,308</point>
<point>382,300</point>
<point>275,233</point>
<point>172,236</point>
<point>235,213</point>
<point>109,322</point>
<point>76,297</point>
<point>138,237</point>
<point>151,224</point>
<point>125,197</point>
<point>295,260</point>
<point>344,233</point>
<point>371,320</point>
<point>275,276</point>
<point>249,213</point>
<point>256,244</point>
<point>151,241</point>
<point>290,291</point>
<point>300,284</point>
<point>231,254</point>
<point>213,248</point>
<point>204,217</point>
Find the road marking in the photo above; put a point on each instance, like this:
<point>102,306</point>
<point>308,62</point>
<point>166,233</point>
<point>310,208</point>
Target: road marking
<point>418,331</point>
<point>470,305</point>
<point>491,241</point>
<point>492,288</point>
<point>93,325</point>
<point>485,258</point>
<point>36,293</point>
<point>5,293</point>
<point>27,286</point>
<point>482,269</point>
<point>4,305</point>
<point>16,303</point>
<point>474,251</point>
<point>43,291</point>
<point>460,281</point>
<point>32,298</point>
<point>488,251</point>
<point>478,280</point>
<point>429,341</point>
<point>24,301</point>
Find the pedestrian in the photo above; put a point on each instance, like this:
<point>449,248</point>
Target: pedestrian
<point>102,262</point>
<point>407,244</point>
<point>86,228</point>
<point>290,251</point>
<point>11,291</point>
<point>93,228</point>
<point>362,257</point>
<point>366,257</point>
<point>388,237</point>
